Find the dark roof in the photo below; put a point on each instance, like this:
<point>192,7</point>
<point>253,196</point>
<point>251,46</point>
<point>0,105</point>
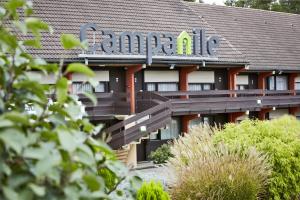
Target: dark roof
<point>269,40</point>
<point>66,16</point>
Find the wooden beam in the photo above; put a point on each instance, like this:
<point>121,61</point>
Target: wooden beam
<point>185,122</point>
<point>232,117</point>
<point>262,80</point>
<point>130,88</point>
<point>262,113</point>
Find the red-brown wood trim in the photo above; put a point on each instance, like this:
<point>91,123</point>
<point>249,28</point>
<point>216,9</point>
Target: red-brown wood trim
<point>130,85</point>
<point>185,122</point>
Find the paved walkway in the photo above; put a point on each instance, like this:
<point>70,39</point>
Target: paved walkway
<point>164,174</point>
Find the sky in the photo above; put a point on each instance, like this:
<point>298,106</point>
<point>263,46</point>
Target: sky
<point>218,2</point>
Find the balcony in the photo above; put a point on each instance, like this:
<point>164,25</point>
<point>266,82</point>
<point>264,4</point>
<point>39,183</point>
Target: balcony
<point>108,105</point>
<point>155,109</point>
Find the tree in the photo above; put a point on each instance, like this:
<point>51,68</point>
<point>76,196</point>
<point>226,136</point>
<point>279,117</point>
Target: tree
<point>290,6</point>
<point>49,153</point>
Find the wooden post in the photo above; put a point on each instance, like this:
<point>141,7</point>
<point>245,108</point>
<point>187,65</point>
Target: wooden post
<point>183,78</point>
<point>185,122</point>
<point>292,82</point>
<point>262,113</point>
<point>130,88</point>
<point>232,78</point>
<point>262,80</point>
<point>232,117</point>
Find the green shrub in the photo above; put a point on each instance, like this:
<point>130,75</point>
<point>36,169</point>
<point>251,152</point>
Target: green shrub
<point>50,152</point>
<point>280,140</point>
<point>161,154</point>
<point>206,171</point>
<point>152,191</point>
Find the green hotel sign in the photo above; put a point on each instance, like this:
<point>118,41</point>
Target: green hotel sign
<point>166,44</point>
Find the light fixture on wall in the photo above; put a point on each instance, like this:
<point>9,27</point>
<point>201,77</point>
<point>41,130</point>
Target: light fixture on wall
<point>247,67</point>
<point>172,66</point>
<point>144,66</point>
<point>247,112</point>
<point>274,108</point>
<point>86,61</point>
<point>258,101</point>
<point>143,128</point>
<point>203,63</point>
<point>273,72</point>
<point>280,72</point>
<point>198,67</point>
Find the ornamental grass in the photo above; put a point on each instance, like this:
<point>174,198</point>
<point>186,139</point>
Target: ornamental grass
<point>207,171</point>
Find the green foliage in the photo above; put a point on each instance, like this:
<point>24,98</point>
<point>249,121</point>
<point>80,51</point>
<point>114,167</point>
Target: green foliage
<point>161,154</point>
<point>152,191</point>
<point>47,150</point>
<point>280,140</point>
<point>205,170</point>
<point>290,6</point>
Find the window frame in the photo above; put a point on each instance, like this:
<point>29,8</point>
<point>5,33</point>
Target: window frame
<point>106,86</point>
<point>212,86</point>
<point>157,83</point>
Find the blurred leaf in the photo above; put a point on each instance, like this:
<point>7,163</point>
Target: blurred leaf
<point>80,68</point>
<point>17,118</point>
<point>92,182</point>
<point>62,90</point>
<point>36,25</point>
<point>2,11</point>
<point>69,41</point>
<point>38,190</point>
<point>91,97</point>
<point>12,5</point>
<point>66,140</point>
<point>9,193</point>
<point>33,43</point>
<point>35,153</point>
<point>13,138</point>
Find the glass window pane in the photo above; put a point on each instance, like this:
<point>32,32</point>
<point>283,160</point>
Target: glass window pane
<point>172,131</point>
<point>78,88</point>
<point>167,87</point>
<point>281,83</point>
<point>150,87</point>
<point>241,87</point>
<point>195,87</point>
<point>271,83</point>
<point>206,86</point>
<point>100,87</point>
<point>297,87</point>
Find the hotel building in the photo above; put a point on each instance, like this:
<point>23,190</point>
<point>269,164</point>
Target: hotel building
<point>163,66</point>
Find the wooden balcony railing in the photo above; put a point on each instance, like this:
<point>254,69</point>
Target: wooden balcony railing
<point>107,104</point>
<point>157,108</point>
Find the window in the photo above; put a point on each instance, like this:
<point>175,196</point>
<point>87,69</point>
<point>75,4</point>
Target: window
<point>80,87</point>
<point>242,87</point>
<point>297,86</point>
<point>151,87</point>
<point>100,87</point>
<point>172,130</point>
<point>162,87</point>
<point>278,83</point>
<point>200,86</point>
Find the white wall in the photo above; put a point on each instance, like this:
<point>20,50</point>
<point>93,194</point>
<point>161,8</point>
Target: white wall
<point>274,114</point>
<point>242,80</point>
<point>161,76</point>
<point>42,78</point>
<point>99,76</point>
<point>201,77</point>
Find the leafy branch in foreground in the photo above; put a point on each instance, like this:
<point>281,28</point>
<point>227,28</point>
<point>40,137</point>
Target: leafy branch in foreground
<point>47,150</point>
